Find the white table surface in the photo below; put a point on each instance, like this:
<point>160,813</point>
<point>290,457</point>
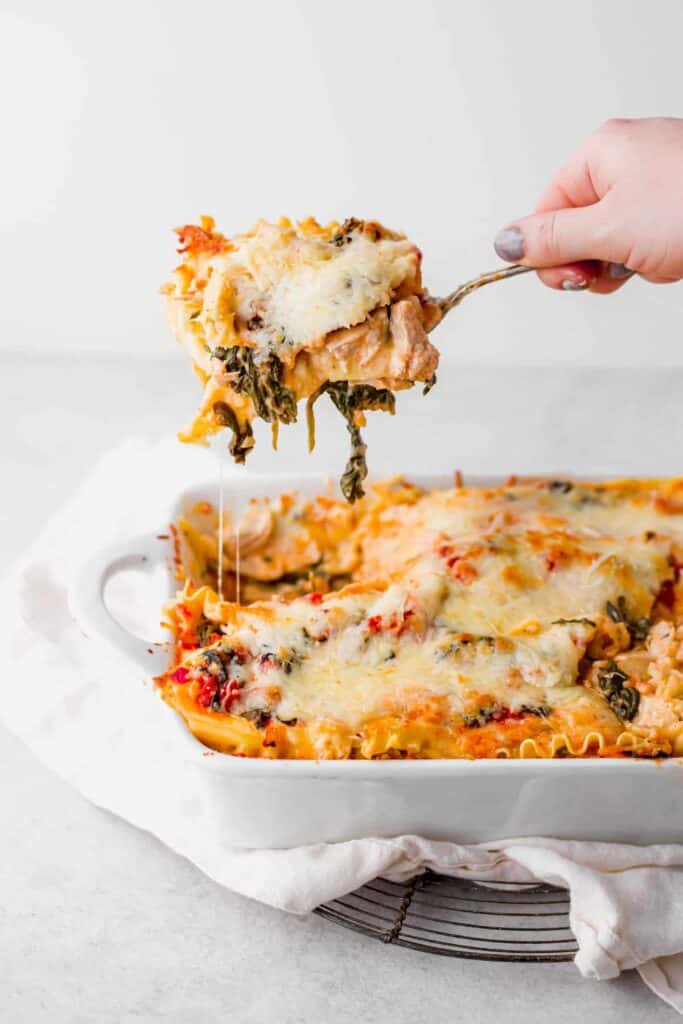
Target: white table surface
<point>98,921</point>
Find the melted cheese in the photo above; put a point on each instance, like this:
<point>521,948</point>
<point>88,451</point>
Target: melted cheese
<point>474,616</point>
<point>333,303</point>
<point>303,288</point>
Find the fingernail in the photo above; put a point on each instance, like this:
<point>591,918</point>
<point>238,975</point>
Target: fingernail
<point>509,244</point>
<point>618,271</point>
<point>574,284</point>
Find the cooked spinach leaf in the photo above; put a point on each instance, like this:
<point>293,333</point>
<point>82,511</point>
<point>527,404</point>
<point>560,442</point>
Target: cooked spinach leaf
<point>638,628</point>
<point>429,384</point>
<point>351,399</point>
<point>499,712</point>
<point>343,237</point>
<point>463,643</point>
<point>261,382</point>
<point>242,435</point>
<point>258,716</point>
<point>614,613</point>
<point>623,700</point>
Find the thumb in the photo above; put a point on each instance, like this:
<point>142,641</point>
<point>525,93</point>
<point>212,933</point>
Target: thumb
<point>556,237</point>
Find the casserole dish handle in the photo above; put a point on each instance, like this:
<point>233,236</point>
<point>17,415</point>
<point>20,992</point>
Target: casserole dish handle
<point>88,604</point>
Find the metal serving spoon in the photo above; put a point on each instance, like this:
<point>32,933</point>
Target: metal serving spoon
<point>446,304</point>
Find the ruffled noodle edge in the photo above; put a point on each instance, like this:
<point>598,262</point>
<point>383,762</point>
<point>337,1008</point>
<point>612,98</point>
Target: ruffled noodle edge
<point>386,737</point>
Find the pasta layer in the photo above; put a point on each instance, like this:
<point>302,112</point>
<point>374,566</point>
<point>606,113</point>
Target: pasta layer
<point>532,620</point>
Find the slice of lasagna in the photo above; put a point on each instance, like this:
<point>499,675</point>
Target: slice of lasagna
<point>292,311</point>
<point>532,620</point>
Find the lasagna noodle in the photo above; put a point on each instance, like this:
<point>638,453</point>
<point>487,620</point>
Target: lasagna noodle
<point>533,620</point>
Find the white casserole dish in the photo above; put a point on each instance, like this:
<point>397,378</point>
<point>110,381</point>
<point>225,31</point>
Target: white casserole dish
<point>272,804</point>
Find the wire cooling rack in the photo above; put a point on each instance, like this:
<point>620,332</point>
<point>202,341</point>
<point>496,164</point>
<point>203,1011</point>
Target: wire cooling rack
<point>453,917</point>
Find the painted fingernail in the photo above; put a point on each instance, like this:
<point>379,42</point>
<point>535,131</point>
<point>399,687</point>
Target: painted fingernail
<point>509,244</point>
<point>574,284</point>
<point>618,271</point>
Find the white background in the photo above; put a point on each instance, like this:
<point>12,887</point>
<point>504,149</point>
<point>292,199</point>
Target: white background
<point>441,118</point>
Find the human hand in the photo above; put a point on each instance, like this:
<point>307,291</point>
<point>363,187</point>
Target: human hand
<point>614,210</point>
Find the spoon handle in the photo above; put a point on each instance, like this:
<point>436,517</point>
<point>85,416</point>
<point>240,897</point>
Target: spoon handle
<point>455,298</point>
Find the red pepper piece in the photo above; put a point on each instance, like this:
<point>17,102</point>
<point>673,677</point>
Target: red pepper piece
<point>206,691</point>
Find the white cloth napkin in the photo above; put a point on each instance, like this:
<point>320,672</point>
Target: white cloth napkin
<point>104,732</point>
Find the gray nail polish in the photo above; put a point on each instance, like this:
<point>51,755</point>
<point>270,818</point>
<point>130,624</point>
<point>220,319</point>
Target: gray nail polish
<point>618,271</point>
<point>509,244</point>
<point>574,286</point>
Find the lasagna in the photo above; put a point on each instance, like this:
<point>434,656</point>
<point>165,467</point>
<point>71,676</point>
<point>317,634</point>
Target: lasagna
<point>293,311</point>
<point>536,619</point>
